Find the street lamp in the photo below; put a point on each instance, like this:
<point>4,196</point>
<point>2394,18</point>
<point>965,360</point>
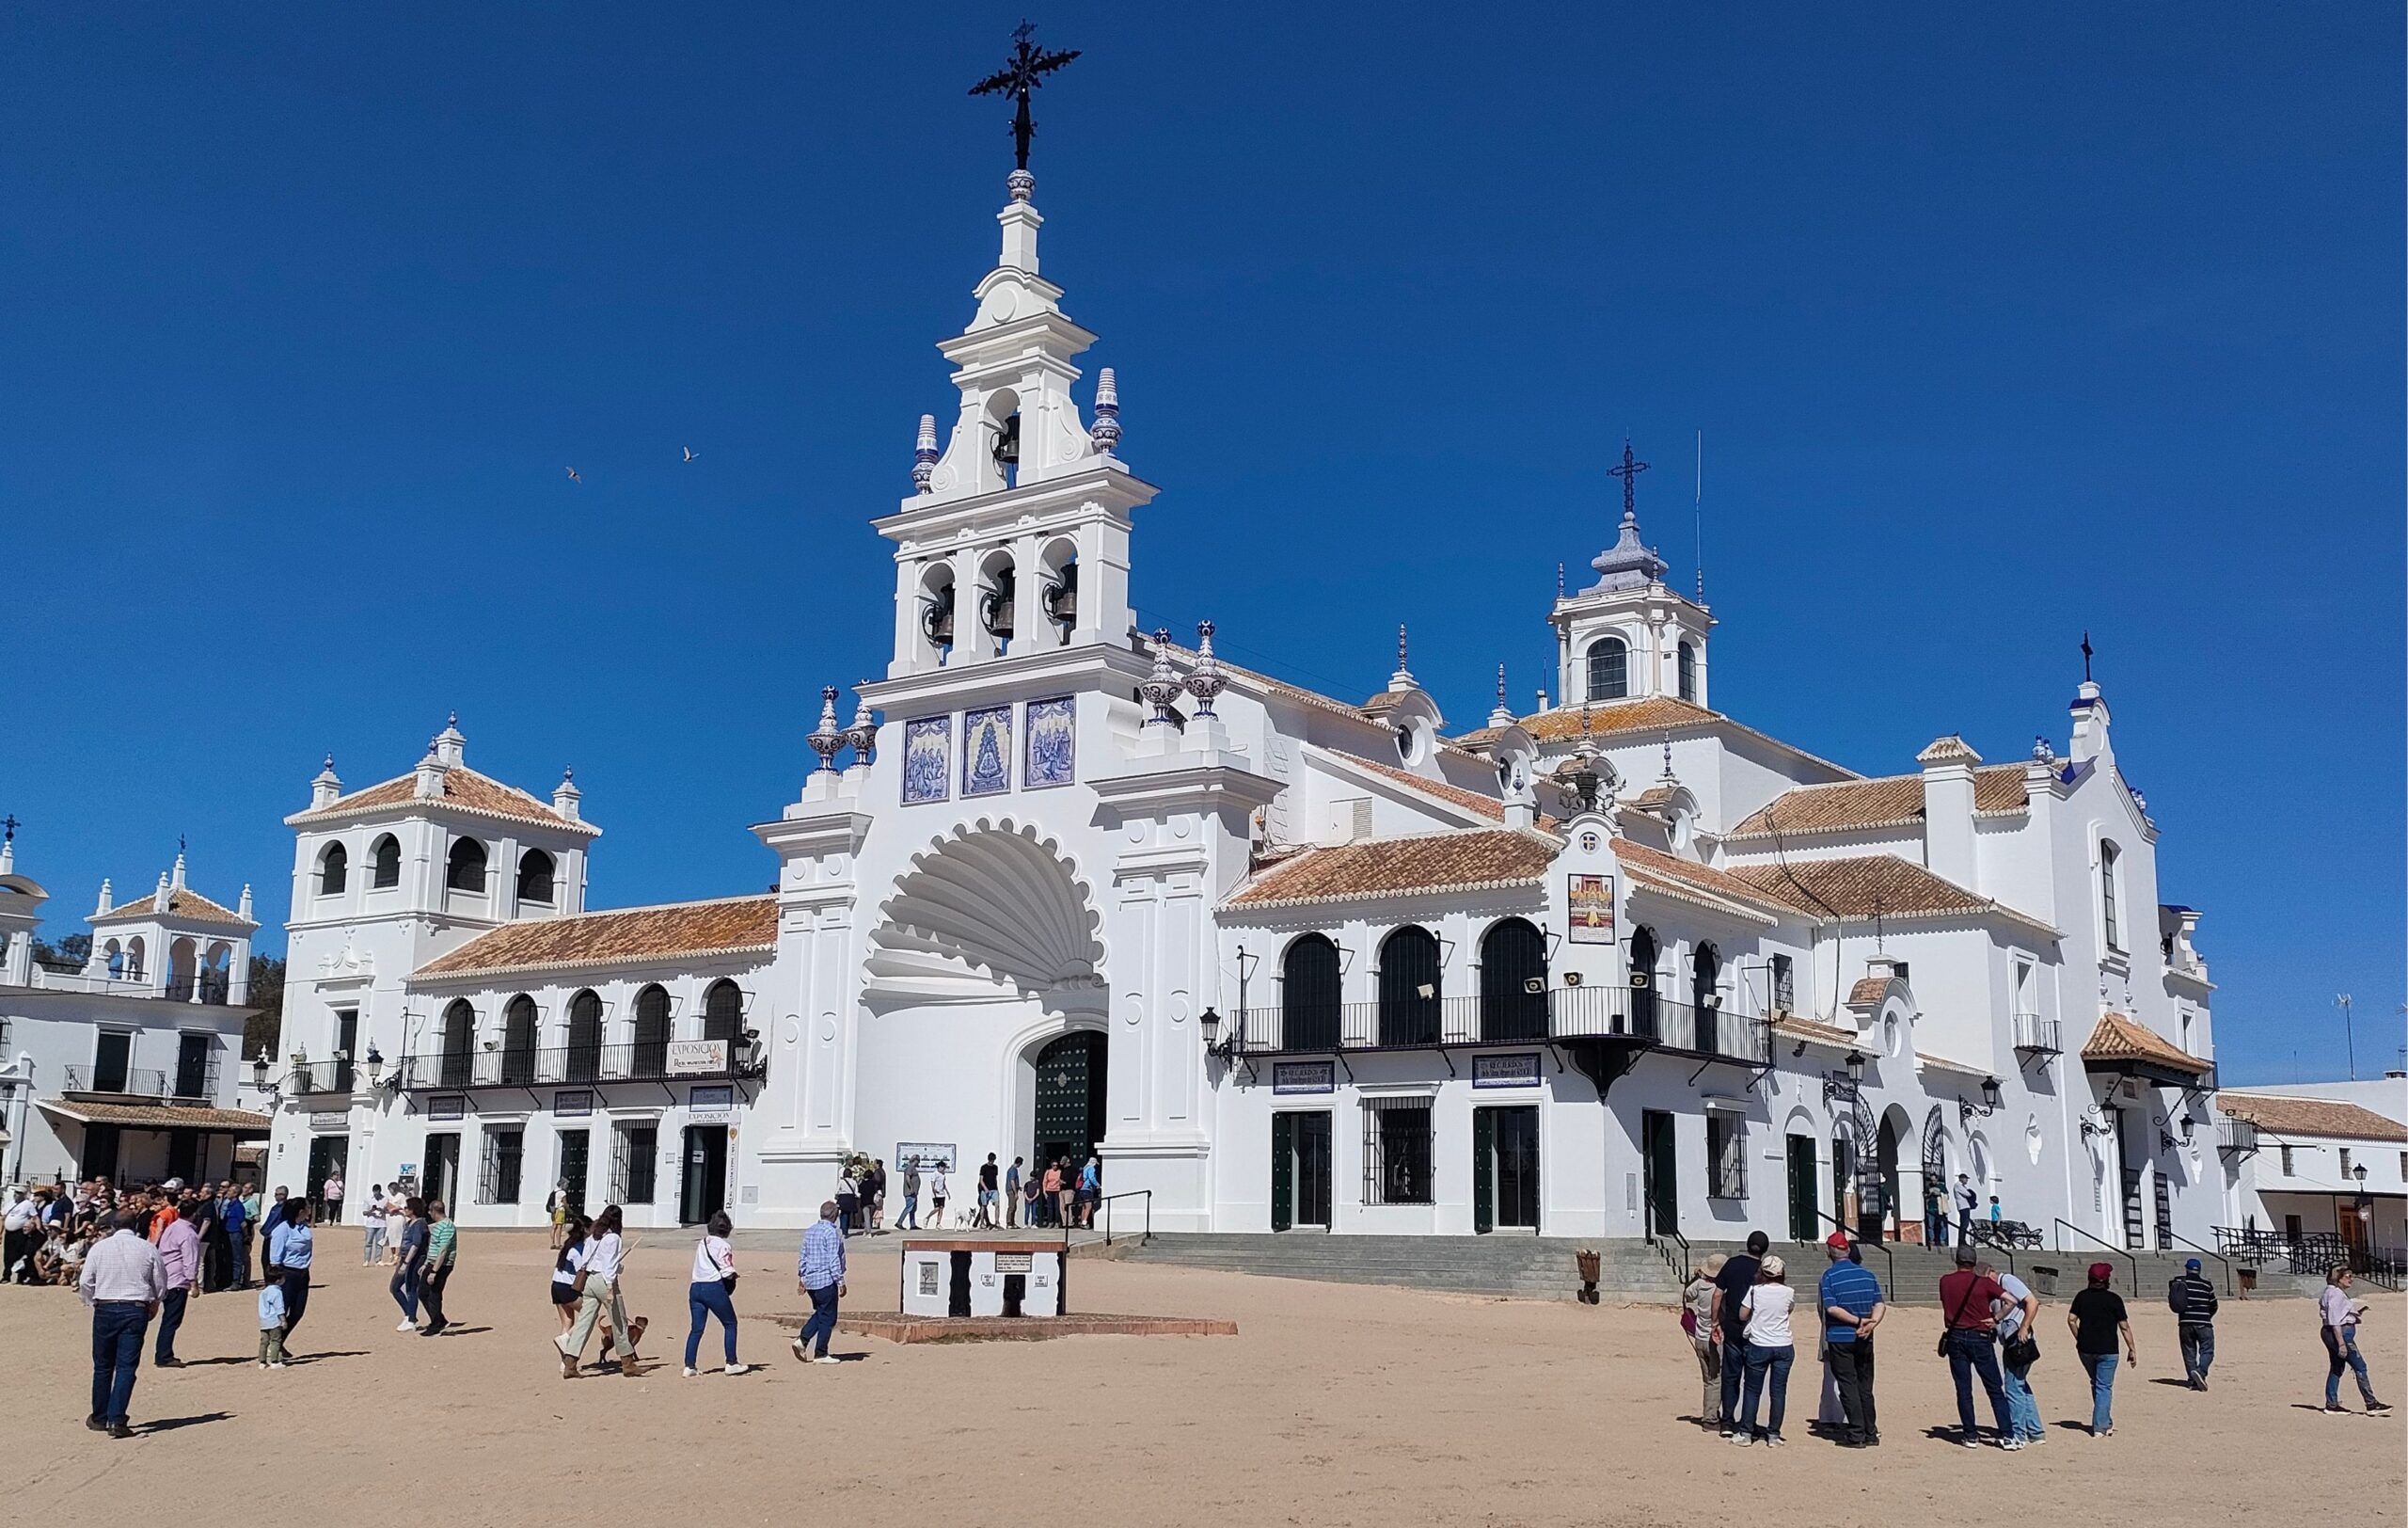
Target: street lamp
<point>259,1070</point>
<point>1210,1022</point>
<point>1991,1096</point>
<point>375,1065</point>
<point>1856,1069</point>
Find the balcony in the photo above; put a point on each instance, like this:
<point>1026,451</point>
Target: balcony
<point>337,1076</point>
<point>116,1082</point>
<point>1559,1013</point>
<point>2238,1137</point>
<point>2037,1036</point>
<point>680,1062</point>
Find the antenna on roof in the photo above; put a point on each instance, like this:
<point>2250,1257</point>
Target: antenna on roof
<point>1700,516</point>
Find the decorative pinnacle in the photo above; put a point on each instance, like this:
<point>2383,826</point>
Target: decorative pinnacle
<point>2043,750</point>
<point>1163,690</point>
<point>862,737</point>
<point>1402,679</point>
<point>827,738</point>
<point>1628,471</point>
<point>1105,430</point>
<point>1204,681</point>
<point>1667,758</point>
<point>924,454</point>
<point>1502,715</point>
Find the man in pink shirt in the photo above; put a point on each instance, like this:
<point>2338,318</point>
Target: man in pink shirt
<point>180,1259</point>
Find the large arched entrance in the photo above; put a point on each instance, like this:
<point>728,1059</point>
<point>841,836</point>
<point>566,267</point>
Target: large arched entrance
<point>1067,1119</point>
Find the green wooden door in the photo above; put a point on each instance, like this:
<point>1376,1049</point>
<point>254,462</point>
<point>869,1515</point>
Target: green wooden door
<point>1283,1172</point>
<point>1803,1204</point>
<point>1483,1169</point>
<point>1657,1161</point>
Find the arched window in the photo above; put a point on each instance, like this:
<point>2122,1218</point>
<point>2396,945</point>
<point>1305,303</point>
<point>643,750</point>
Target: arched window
<point>724,1012</point>
<point>2109,855</point>
<point>137,956</point>
<point>1643,982</point>
<point>519,1041</point>
<point>1686,658</point>
<point>651,1057</point>
<point>535,877</point>
<point>116,958</point>
<point>464,870</point>
<point>385,863</point>
<point>1308,995</point>
<point>1705,970</point>
<point>459,1044</point>
<point>334,868</point>
<point>1409,987</point>
<point>584,1038</point>
<point>1513,981</point>
<point>1609,669</point>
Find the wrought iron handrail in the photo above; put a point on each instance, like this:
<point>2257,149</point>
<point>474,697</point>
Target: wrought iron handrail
<point>1667,1240</point>
<point>1105,1204</point>
<point>526,1067</point>
<point>1889,1258</point>
<point>2113,1249</point>
<point>128,1082</point>
<point>1559,1013</point>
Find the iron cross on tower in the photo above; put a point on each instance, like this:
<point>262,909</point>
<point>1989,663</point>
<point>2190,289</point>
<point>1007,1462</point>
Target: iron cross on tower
<point>1026,71</point>
<point>1628,471</point>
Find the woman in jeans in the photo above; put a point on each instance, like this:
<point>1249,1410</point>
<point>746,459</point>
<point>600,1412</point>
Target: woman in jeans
<point>410,1252</point>
<point>1771,1349</point>
<point>1697,1321</point>
<point>2097,1318</point>
<point>2337,1318</point>
<point>709,1294</point>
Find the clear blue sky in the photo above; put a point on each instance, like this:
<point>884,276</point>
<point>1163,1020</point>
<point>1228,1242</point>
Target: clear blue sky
<point>1999,328</point>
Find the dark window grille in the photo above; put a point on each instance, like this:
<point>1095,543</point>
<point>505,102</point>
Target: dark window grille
<point>519,1041</point>
<point>1609,669</point>
<point>1705,970</point>
<point>1726,1155</point>
<point>1643,1016</point>
<point>635,1163</point>
<point>334,868</point>
<point>652,1033</point>
<point>535,877</point>
<point>1784,985</point>
<point>722,1011</point>
<point>1409,987</point>
<point>464,870</point>
<point>504,1154</point>
<point>2107,857</point>
<point>1513,957</point>
<point>385,863</point>
<point>584,1038</point>
<point>1309,995</point>
<point>1687,662</point>
<point>1397,1151</point>
<point>459,1043</point>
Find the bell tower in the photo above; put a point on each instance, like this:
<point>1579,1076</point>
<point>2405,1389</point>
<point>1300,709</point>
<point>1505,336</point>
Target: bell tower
<point>1629,636</point>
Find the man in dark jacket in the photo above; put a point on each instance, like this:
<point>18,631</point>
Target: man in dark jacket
<point>1731,1288</point>
<point>2194,1302</point>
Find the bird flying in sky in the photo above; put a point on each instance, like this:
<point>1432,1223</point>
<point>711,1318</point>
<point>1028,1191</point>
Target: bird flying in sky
<point>689,453</point>
<point>573,477</point>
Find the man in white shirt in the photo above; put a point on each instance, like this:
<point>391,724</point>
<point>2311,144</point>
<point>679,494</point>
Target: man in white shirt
<point>17,1251</point>
<point>123,1283</point>
<point>1966,1200</point>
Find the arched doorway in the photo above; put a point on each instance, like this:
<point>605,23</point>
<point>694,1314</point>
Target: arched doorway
<point>1070,1113</point>
<point>1881,1197</point>
<point>1643,982</point>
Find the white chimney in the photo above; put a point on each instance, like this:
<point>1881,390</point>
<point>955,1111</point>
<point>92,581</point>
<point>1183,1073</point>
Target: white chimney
<point>565,795</point>
<point>326,788</point>
<point>1948,808</point>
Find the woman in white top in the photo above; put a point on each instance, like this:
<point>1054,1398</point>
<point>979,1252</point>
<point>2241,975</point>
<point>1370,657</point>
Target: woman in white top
<point>1771,1349</point>
<point>572,1257</point>
<point>397,1214</point>
<point>709,1294</point>
<point>598,1296</point>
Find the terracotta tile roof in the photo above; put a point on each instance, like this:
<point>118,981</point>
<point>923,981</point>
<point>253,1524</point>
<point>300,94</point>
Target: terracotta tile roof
<point>1607,718</point>
<point>2118,1037</point>
<point>1889,801</point>
<point>672,932</point>
<point>1487,806</point>
<point>464,790</point>
<point>1868,991</point>
<point>1865,886</point>
<point>1949,749</point>
<point>2287,1115</point>
<point>1812,1030</point>
<point>1476,859</point>
<point>1670,873</point>
<point>186,903</point>
<point>156,1116</point>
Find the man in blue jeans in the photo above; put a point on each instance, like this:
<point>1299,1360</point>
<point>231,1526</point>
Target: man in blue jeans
<point>1731,1288</point>
<point>821,1274</point>
<point>1966,1303</point>
<point>123,1283</point>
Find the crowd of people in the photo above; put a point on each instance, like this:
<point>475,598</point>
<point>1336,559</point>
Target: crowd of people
<point>1739,1314</point>
<point>1054,1196</point>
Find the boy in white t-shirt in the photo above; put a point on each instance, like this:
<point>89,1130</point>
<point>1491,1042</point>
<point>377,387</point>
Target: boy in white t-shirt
<point>272,1320</point>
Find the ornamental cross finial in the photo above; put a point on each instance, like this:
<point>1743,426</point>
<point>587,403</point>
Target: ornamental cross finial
<point>1628,471</point>
<point>8,826</point>
<point>1020,74</point>
<point>2086,656</point>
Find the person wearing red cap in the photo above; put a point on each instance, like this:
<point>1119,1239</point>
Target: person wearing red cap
<point>1850,1297</point>
<point>2096,1318</point>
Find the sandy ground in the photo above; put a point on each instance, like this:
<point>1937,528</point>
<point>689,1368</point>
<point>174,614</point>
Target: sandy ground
<point>1335,1405</point>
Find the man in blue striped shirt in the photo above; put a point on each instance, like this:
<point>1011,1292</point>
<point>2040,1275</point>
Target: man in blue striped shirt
<point>821,1274</point>
<point>1851,1300</point>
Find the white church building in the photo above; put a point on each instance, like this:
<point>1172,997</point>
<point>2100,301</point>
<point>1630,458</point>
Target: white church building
<point>1621,966</point>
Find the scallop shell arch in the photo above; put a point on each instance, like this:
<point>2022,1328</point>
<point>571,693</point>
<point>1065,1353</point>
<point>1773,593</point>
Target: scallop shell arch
<point>995,911</point>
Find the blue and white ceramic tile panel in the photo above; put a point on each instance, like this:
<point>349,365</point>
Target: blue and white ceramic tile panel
<point>1050,741</point>
<point>928,758</point>
<point>987,750</point>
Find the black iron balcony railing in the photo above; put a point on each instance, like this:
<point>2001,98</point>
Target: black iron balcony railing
<point>526,1067</point>
<point>1556,1014</point>
<point>2037,1035</point>
<point>211,989</point>
<point>337,1076</point>
<point>197,1078</point>
<point>120,1081</point>
<point>2236,1135</point>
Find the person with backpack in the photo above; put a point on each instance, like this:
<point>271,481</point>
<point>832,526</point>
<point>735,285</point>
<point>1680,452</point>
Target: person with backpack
<point>2019,1349</point>
<point>2192,1299</point>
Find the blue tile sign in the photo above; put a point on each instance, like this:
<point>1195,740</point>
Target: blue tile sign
<point>1518,1070</point>
<point>1305,1078</point>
